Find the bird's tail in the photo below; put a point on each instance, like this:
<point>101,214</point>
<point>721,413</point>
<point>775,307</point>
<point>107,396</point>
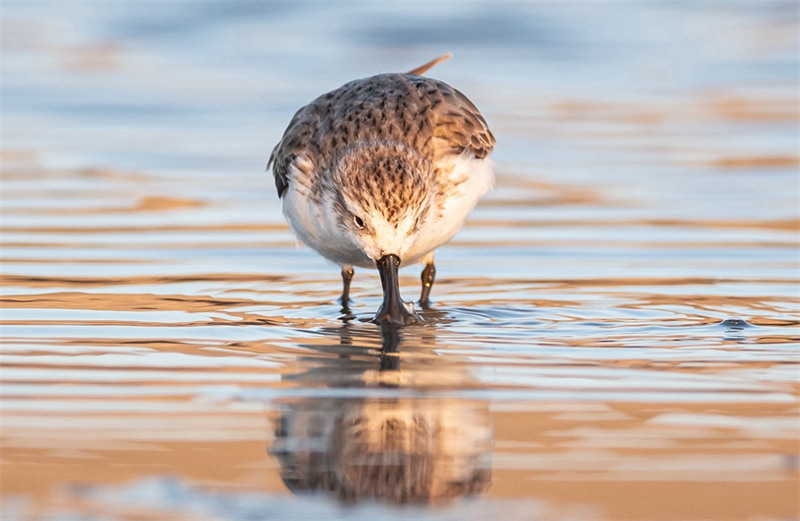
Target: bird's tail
<point>422,69</point>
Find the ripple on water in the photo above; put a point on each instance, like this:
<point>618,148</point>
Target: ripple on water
<point>614,333</point>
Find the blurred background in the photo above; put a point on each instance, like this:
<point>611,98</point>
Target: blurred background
<point>615,331</point>
<point>210,86</point>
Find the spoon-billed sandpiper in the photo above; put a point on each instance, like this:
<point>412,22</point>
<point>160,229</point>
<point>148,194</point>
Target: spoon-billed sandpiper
<point>381,172</point>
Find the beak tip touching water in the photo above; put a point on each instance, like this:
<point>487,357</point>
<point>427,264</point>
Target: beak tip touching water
<point>393,310</point>
<point>395,317</point>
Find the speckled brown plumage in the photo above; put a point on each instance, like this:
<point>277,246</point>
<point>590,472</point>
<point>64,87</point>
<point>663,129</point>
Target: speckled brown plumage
<point>382,171</point>
<point>385,177</point>
<point>427,115</point>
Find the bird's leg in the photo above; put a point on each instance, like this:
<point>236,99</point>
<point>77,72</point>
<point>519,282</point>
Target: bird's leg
<point>428,276</point>
<point>347,276</point>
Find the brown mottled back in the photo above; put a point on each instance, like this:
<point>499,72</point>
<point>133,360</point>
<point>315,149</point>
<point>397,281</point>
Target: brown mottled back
<point>428,115</point>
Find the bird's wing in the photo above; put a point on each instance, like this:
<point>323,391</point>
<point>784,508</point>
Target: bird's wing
<point>458,125</point>
<point>293,143</point>
<point>426,114</point>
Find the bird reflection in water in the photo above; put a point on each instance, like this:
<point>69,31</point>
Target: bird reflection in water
<point>402,440</point>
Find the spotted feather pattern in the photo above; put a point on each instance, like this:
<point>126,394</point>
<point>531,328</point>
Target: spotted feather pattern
<point>424,114</point>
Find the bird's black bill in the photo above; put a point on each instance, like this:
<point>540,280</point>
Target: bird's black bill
<point>393,310</point>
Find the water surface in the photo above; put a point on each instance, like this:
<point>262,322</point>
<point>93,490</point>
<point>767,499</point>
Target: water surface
<point>615,331</point>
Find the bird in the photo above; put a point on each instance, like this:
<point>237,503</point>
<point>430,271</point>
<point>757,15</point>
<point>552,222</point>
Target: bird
<point>379,173</point>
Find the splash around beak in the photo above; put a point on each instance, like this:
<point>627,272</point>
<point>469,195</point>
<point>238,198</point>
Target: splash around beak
<point>393,310</point>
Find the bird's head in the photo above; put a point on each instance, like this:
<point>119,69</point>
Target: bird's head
<point>383,193</point>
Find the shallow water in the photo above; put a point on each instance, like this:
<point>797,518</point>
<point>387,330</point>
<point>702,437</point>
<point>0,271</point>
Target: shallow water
<point>615,331</point>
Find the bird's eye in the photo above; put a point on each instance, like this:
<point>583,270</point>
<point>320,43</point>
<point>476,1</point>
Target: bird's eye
<point>359,221</point>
